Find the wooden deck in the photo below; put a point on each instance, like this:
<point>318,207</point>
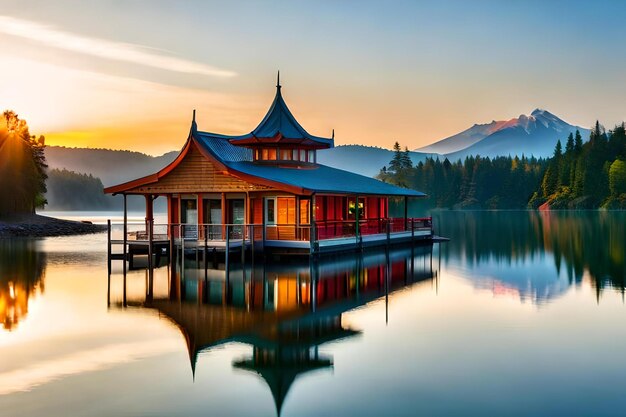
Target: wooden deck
<point>141,243</point>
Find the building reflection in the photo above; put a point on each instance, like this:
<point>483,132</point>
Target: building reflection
<point>21,278</point>
<point>283,309</point>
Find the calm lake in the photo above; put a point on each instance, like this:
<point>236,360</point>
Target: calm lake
<point>520,314</point>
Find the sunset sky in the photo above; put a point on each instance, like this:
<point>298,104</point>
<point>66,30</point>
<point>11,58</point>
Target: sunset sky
<point>127,74</point>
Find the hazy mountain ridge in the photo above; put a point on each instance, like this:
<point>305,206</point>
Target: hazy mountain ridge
<point>364,160</point>
<point>111,166</point>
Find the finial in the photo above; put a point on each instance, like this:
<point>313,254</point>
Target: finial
<point>333,136</point>
<point>194,115</point>
<point>278,80</point>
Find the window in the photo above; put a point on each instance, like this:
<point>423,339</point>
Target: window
<point>271,154</point>
<point>304,211</point>
<point>311,156</point>
<point>270,211</point>
<point>285,154</point>
<point>264,154</point>
<point>294,155</point>
<point>302,155</point>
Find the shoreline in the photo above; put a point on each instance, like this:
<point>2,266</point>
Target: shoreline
<point>35,225</point>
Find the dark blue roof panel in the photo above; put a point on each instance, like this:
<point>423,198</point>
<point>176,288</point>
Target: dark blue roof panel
<point>280,120</point>
<point>317,178</point>
<point>221,148</point>
<point>323,179</point>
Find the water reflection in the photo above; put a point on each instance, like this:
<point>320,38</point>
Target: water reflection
<point>537,255</point>
<point>21,278</point>
<point>284,309</point>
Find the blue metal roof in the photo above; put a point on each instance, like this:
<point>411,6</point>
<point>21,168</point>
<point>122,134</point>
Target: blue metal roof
<point>314,177</point>
<point>220,147</point>
<point>322,179</point>
<point>279,120</point>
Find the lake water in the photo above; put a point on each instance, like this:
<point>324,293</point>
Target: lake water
<point>519,314</point>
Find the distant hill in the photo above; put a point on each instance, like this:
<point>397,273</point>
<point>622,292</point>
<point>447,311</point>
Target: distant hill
<point>111,166</point>
<point>364,160</point>
<point>534,135</point>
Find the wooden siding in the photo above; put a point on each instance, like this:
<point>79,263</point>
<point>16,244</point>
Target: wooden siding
<point>197,174</point>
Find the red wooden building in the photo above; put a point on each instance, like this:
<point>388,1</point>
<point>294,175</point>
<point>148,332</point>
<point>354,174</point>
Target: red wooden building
<point>266,186</point>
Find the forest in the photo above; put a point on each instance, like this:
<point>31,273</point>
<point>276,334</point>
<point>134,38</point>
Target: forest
<point>69,190</point>
<point>584,175</point>
<point>22,167</point>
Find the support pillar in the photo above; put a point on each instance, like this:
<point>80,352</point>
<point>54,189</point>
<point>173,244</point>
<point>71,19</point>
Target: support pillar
<point>125,228</point>
<point>406,212</point>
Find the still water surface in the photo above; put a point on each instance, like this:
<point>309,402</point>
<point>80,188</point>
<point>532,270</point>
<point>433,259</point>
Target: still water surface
<point>519,314</point>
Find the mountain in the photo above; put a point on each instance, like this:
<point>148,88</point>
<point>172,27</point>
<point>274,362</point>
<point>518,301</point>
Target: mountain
<point>364,160</point>
<point>535,135</point>
<point>111,166</point>
<point>464,139</point>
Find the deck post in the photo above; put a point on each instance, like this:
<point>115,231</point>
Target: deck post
<point>357,212</point>
<point>109,246</point>
<point>206,243</point>
<point>182,251</point>
<point>251,234</point>
<point>313,233</point>
<point>406,212</point>
<point>125,228</point>
<point>243,246</point>
<point>150,243</point>
<point>226,256</point>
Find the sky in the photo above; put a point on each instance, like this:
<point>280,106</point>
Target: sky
<point>127,74</point>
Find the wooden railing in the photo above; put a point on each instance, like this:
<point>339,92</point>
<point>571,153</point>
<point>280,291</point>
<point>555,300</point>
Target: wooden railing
<point>328,229</point>
<point>331,229</point>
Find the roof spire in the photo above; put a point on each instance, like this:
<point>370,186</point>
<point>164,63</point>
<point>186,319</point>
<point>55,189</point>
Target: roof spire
<point>278,80</point>
<point>333,136</point>
<point>194,115</point>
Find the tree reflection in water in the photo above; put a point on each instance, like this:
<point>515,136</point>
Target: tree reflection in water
<point>582,244</point>
<point>22,268</point>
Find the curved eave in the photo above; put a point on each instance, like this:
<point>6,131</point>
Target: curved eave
<point>279,138</point>
<point>152,178</point>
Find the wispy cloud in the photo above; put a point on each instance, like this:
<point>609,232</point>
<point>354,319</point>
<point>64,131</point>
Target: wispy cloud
<point>40,373</point>
<point>103,48</point>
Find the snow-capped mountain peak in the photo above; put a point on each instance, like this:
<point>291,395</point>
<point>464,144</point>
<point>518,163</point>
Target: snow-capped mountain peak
<point>534,134</point>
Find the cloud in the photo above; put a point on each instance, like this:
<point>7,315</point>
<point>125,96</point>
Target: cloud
<point>103,48</point>
<point>41,373</point>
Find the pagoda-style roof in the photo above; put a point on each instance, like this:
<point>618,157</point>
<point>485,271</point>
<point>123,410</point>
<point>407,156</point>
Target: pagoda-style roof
<point>280,126</point>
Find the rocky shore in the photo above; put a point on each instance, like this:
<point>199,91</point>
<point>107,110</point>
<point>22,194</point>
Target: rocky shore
<point>34,225</point>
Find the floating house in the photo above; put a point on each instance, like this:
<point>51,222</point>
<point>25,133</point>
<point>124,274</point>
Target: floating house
<point>266,188</point>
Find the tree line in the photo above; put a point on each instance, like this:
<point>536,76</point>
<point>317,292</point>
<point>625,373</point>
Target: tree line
<point>475,183</point>
<point>583,176</point>
<point>22,166</point>
<point>586,175</point>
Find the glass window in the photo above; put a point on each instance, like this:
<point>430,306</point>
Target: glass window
<point>311,156</point>
<point>304,211</point>
<point>270,211</point>
<point>264,154</point>
<point>271,154</point>
<point>294,155</point>
<point>285,154</point>
<point>303,155</point>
